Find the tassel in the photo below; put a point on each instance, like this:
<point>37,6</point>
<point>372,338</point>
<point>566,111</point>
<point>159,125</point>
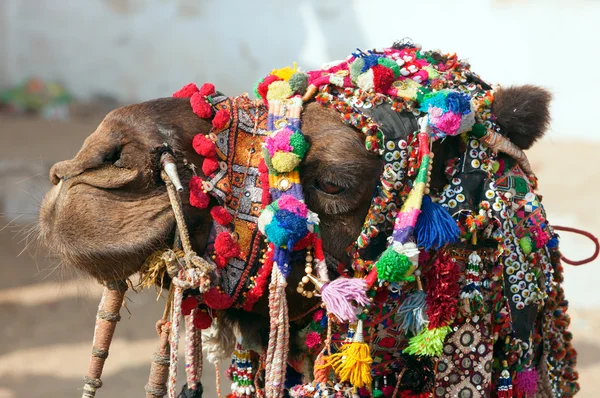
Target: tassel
<point>353,362</point>
<point>526,383</point>
<point>471,299</point>
<point>411,314</point>
<point>338,294</point>
<point>505,388</point>
<point>435,226</point>
<point>429,342</point>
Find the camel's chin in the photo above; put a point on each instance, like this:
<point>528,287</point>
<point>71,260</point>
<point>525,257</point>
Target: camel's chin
<point>108,239</point>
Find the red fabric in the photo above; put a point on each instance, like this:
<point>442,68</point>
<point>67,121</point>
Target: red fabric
<point>200,106</point>
<point>186,91</point>
<point>263,86</point>
<point>209,166</point>
<point>198,198</point>
<point>382,78</point>
<point>188,305</point>
<point>204,146</point>
<point>260,282</point>
<point>202,320</point>
<point>264,182</point>
<point>221,215</point>
<point>207,89</point>
<point>225,245</point>
<point>217,299</point>
<point>442,291</point>
<point>221,118</point>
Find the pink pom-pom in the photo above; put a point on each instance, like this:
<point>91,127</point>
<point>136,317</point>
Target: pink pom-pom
<point>198,198</point>
<point>186,91</point>
<point>209,166</point>
<point>200,106</point>
<point>221,215</point>
<point>313,339</point>
<point>225,246</point>
<point>221,118</point>
<point>207,89</point>
<point>188,305</point>
<point>318,315</point>
<point>279,142</point>
<point>204,146</point>
<point>449,123</point>
<point>290,203</point>
<point>337,297</point>
<point>526,382</point>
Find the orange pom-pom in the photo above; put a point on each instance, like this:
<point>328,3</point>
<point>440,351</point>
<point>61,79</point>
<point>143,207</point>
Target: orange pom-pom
<point>200,106</point>
<point>209,166</point>
<point>186,91</point>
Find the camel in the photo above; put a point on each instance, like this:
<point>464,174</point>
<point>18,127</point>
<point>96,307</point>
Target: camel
<point>109,210</point>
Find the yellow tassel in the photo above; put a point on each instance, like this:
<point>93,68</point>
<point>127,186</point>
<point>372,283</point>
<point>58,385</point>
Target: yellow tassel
<point>285,73</point>
<point>154,270</point>
<point>353,362</point>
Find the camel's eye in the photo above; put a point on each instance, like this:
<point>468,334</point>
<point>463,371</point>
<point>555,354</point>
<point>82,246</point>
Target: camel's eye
<point>113,157</point>
<point>328,187</point>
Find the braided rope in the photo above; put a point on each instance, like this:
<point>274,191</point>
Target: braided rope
<point>276,360</point>
<point>174,339</point>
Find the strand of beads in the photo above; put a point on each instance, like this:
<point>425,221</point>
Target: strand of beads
<point>307,278</point>
<point>241,373</point>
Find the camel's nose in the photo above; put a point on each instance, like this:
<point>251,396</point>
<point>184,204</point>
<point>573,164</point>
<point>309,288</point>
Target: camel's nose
<point>59,171</point>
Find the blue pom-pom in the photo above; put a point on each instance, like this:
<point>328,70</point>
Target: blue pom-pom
<point>294,226</point>
<point>552,243</point>
<point>458,103</point>
<point>435,226</point>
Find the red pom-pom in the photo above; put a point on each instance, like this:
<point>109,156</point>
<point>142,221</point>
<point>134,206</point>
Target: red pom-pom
<point>188,305</point>
<point>382,78</point>
<point>221,261</point>
<point>204,146</point>
<point>221,118</point>
<point>200,106</point>
<point>209,166</point>
<point>207,89</point>
<point>388,391</point>
<point>186,91</point>
<point>262,167</point>
<point>220,215</point>
<point>217,299</point>
<point>225,245</point>
<point>202,320</point>
<point>198,198</point>
<point>263,86</point>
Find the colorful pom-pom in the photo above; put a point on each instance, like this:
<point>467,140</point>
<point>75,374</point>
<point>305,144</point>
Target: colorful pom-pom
<point>204,146</point>
<point>382,78</point>
<point>221,215</point>
<point>226,246</point>
<point>313,339</point>
<point>186,91</point>
<point>200,106</point>
<point>526,244</point>
<point>279,90</point>
<point>430,342</point>
<point>202,320</point>
<point>263,87</point>
<point>285,229</point>
<point>221,118</point>
<point>209,166</point>
<point>207,89</point>
<point>290,203</point>
<point>299,83</point>
<point>299,144</point>
<point>198,198</point>
<point>188,305</point>
<point>284,162</point>
<point>394,267</point>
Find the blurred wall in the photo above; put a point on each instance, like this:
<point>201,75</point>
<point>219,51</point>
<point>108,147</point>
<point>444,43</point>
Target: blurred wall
<point>140,49</point>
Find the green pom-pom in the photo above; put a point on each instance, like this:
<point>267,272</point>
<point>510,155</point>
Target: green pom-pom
<point>430,342</point>
<point>377,393</point>
<point>394,267</point>
<point>299,83</point>
<point>284,162</point>
<point>478,130</point>
<point>256,87</point>
<point>298,142</point>
<point>388,63</point>
<point>422,92</point>
<point>267,158</point>
<point>356,68</point>
<point>526,245</point>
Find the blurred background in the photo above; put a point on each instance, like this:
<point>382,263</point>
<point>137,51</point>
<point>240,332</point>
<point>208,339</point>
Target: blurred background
<point>65,63</point>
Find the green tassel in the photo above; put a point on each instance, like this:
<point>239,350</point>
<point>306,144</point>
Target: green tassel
<point>430,342</point>
<point>377,393</point>
<point>394,267</point>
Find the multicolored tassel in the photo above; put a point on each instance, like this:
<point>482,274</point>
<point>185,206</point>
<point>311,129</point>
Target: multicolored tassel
<point>471,299</point>
<point>411,313</point>
<point>505,387</point>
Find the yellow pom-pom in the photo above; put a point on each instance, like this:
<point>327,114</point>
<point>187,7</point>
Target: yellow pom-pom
<point>285,73</point>
<point>284,162</point>
<point>279,90</point>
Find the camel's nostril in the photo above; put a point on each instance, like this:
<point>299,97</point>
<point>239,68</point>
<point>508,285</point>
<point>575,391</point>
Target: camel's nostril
<point>55,174</point>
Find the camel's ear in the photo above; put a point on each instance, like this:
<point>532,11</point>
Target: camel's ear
<point>523,113</point>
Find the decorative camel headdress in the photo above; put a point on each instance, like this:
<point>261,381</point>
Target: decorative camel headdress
<point>426,285</point>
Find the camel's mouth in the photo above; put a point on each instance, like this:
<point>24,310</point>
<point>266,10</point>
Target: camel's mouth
<point>96,223</point>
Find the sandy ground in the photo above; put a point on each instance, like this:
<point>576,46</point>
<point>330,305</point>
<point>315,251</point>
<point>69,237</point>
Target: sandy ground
<point>48,316</point>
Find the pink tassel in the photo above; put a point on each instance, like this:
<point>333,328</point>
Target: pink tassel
<point>337,296</point>
<point>526,383</point>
